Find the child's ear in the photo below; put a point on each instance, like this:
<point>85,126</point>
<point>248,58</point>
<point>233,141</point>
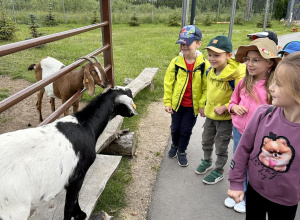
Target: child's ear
<point>229,55</point>
<point>199,44</point>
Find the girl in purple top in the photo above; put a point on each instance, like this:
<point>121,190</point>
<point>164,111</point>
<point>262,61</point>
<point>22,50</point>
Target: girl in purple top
<point>251,92</point>
<point>270,150</point>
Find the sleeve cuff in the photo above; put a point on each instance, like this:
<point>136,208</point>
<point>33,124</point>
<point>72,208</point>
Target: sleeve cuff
<point>237,186</point>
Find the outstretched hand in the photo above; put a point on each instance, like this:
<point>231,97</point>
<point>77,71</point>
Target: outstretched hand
<point>237,196</point>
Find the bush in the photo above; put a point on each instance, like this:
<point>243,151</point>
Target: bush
<point>207,19</point>
<point>260,22</point>
<point>7,27</point>
<point>95,19</point>
<point>280,9</point>
<point>50,18</point>
<point>173,20</point>
<point>239,20</point>
<point>33,27</point>
<point>134,21</point>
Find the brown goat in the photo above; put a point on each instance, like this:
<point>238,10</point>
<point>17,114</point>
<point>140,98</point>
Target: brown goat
<point>66,86</point>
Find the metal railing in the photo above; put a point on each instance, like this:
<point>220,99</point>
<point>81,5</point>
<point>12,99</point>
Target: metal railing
<point>107,50</point>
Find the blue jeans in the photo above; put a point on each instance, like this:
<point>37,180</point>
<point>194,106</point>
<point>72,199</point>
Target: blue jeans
<point>182,125</point>
<point>236,139</point>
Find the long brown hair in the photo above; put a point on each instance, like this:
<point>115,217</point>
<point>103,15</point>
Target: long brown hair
<point>249,82</point>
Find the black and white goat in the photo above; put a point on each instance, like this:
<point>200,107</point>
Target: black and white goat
<point>37,163</point>
<point>66,86</point>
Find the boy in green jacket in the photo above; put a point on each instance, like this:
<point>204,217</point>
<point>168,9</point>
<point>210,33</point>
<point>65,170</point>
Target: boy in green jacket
<point>185,90</point>
<point>224,75</point>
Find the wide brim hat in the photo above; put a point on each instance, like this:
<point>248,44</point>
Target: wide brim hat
<point>266,47</point>
<point>269,34</point>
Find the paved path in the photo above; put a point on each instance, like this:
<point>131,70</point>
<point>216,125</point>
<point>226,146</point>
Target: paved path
<point>180,194</point>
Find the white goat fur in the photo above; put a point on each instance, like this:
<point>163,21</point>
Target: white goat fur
<point>50,66</point>
<point>38,171</point>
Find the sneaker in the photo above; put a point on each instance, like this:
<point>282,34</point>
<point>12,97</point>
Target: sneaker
<point>203,167</point>
<point>213,177</point>
<point>240,207</point>
<point>229,202</point>
<point>173,151</point>
<point>182,161</point>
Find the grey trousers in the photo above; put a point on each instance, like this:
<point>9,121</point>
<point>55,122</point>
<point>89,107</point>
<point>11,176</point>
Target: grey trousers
<point>218,133</point>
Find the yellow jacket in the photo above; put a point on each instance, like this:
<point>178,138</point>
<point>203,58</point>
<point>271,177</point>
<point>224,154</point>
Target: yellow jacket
<point>175,88</point>
<point>219,90</point>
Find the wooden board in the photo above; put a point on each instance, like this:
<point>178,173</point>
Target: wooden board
<point>94,183</point>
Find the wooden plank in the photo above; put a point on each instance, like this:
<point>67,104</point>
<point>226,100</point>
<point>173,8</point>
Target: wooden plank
<point>110,132</point>
<point>94,183</point>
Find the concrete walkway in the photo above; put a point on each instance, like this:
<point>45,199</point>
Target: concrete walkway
<point>180,194</point>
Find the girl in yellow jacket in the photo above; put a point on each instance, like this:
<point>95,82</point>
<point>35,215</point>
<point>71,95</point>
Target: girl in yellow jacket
<point>185,90</point>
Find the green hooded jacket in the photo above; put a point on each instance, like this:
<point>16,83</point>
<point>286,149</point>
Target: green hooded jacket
<point>174,87</point>
<point>218,89</point>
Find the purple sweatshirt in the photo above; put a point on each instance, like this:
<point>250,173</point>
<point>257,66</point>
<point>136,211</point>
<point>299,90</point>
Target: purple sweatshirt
<point>269,150</point>
<point>244,99</point>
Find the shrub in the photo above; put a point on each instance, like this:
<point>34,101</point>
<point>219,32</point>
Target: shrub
<point>50,18</point>
<point>173,20</point>
<point>280,9</point>
<point>33,27</point>
<point>260,22</point>
<point>207,19</point>
<point>239,20</point>
<point>134,21</point>
<point>7,27</point>
<point>95,19</point>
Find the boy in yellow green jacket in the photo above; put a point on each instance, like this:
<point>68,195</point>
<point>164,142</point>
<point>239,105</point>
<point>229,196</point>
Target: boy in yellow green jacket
<point>185,90</point>
<point>224,75</point>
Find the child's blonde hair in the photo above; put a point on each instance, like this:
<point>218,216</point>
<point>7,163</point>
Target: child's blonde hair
<point>288,74</point>
<point>248,82</point>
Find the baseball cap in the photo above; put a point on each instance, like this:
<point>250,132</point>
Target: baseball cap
<point>266,47</point>
<point>291,47</point>
<point>189,34</point>
<point>269,34</point>
<point>220,44</point>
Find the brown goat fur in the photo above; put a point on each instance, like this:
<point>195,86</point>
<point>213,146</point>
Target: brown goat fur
<point>66,86</point>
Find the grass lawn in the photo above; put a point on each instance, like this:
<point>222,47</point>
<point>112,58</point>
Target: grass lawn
<point>134,48</point>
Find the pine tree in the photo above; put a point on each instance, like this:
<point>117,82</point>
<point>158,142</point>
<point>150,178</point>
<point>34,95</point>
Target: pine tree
<point>50,18</point>
<point>7,26</point>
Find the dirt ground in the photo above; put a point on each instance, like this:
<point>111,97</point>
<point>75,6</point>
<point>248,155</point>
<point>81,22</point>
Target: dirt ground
<point>152,134</point>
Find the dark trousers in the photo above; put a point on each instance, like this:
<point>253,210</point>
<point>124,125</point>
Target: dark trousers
<point>183,122</point>
<point>257,207</point>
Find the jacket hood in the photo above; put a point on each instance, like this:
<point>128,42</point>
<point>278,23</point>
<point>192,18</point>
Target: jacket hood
<point>230,72</point>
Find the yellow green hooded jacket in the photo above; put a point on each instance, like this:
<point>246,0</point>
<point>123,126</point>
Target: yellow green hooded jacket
<point>175,88</point>
<point>218,89</point>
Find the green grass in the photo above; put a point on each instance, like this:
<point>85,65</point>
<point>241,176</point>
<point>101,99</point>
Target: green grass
<point>134,48</point>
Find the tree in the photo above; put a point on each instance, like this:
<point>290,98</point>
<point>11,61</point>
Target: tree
<point>280,9</point>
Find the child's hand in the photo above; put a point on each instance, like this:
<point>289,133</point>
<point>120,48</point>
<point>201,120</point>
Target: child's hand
<point>237,196</point>
<point>220,110</point>
<point>201,112</point>
<point>169,109</point>
<point>239,109</point>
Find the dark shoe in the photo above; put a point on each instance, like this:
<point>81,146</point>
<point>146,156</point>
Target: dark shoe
<point>204,167</point>
<point>182,161</point>
<point>173,151</point>
<point>213,178</point>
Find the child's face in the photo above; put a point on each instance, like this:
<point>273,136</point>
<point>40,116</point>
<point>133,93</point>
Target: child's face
<point>257,66</point>
<point>280,93</point>
<point>218,60</point>
<point>189,51</point>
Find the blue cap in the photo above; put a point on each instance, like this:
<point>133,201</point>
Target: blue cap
<point>291,47</point>
<point>189,34</point>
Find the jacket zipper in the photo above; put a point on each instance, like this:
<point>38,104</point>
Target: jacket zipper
<point>181,90</point>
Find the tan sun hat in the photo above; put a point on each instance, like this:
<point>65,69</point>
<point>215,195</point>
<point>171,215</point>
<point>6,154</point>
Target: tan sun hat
<point>266,47</point>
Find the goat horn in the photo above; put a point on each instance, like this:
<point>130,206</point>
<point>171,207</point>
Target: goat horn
<point>87,58</point>
<point>95,58</point>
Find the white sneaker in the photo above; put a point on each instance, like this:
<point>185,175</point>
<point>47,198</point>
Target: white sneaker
<point>240,207</point>
<point>229,202</point>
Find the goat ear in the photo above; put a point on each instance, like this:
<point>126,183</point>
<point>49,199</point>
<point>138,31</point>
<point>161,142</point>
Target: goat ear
<point>88,82</point>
